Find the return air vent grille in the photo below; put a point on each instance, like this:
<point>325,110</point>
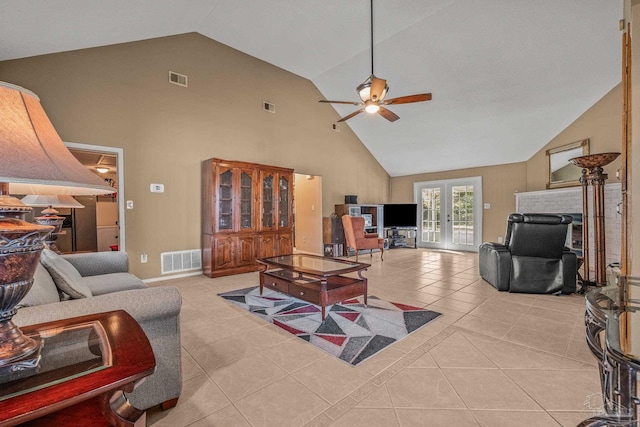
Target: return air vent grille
<point>178,79</point>
<point>173,262</point>
<point>269,107</point>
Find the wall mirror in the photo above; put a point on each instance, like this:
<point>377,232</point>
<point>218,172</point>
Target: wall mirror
<point>561,173</point>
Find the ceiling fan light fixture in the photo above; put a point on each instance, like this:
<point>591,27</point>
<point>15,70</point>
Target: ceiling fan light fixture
<point>371,107</point>
<point>364,90</point>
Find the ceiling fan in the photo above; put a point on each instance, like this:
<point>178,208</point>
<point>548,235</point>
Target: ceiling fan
<point>372,92</point>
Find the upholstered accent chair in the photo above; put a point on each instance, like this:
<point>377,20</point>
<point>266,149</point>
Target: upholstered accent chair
<point>357,239</point>
<point>533,258</point>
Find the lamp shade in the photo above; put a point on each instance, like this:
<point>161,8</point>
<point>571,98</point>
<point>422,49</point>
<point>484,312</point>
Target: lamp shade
<point>40,201</point>
<point>34,159</point>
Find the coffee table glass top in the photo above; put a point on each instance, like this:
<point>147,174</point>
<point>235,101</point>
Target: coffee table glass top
<point>314,264</point>
<point>67,352</point>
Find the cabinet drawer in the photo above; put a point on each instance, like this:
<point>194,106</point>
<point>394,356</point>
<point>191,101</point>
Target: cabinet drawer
<point>306,294</point>
<point>276,284</point>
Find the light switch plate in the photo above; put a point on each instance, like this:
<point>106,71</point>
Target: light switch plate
<point>129,204</point>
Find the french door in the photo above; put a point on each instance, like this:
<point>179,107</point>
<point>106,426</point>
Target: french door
<point>450,213</point>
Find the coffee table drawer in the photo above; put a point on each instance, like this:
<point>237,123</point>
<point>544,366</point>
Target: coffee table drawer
<point>276,284</point>
<point>306,294</point>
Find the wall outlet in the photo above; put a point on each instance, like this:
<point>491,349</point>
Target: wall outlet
<point>487,205</point>
<point>499,239</point>
<point>143,258</point>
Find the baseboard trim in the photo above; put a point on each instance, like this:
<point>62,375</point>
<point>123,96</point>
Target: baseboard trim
<point>173,276</point>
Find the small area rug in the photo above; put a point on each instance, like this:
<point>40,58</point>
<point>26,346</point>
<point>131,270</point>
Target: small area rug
<point>351,331</point>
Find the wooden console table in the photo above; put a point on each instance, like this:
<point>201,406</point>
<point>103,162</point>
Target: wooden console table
<point>87,364</point>
<point>315,279</point>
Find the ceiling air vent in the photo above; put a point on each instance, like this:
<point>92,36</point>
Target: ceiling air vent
<point>267,106</point>
<point>178,79</point>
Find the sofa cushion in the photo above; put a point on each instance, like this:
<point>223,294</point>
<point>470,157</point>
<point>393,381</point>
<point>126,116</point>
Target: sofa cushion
<point>43,291</point>
<point>113,282</point>
<point>65,276</point>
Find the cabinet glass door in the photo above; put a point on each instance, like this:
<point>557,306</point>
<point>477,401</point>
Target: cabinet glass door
<point>267,201</point>
<point>225,200</point>
<point>246,201</point>
<point>283,203</point>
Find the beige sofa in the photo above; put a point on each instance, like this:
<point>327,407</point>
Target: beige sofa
<point>79,284</point>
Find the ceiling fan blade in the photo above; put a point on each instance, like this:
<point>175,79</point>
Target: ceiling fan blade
<point>341,102</point>
<point>377,88</point>
<point>408,99</point>
<point>388,114</point>
<point>355,113</point>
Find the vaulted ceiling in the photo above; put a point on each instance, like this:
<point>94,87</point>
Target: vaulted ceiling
<point>506,75</point>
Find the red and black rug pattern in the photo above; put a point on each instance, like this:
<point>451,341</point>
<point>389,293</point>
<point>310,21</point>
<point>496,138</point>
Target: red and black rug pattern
<point>351,331</point>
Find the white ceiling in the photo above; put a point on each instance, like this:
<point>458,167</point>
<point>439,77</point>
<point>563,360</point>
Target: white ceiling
<point>506,75</point>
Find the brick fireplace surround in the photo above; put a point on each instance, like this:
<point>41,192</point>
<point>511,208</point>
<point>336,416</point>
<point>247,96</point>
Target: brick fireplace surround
<point>569,200</point>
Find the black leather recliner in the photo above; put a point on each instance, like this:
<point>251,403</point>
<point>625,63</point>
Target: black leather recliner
<point>533,258</point>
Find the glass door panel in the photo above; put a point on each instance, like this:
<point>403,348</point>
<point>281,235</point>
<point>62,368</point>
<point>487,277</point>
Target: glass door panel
<point>283,203</point>
<point>462,218</point>
<point>225,196</point>
<point>430,232</point>
<point>267,201</point>
<point>246,201</point>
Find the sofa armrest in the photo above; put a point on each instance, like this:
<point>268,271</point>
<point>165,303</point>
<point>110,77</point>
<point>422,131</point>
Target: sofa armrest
<point>157,310</point>
<point>97,263</point>
<point>495,265</point>
<point>144,305</point>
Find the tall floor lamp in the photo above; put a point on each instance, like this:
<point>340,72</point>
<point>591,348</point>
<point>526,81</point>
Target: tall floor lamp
<point>34,160</point>
<point>593,175</point>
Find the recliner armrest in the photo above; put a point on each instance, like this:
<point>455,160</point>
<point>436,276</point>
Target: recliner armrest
<point>495,265</point>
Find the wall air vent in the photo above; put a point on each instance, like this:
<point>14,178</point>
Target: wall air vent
<point>178,79</point>
<point>267,106</point>
<point>173,262</point>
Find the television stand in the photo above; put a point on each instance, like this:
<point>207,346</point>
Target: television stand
<point>401,237</point>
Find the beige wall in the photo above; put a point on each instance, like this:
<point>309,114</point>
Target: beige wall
<point>601,124</point>
<point>499,184</point>
<point>119,96</point>
<point>308,221</point>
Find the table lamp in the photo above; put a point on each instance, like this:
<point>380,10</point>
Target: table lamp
<point>34,160</point>
<point>50,214</point>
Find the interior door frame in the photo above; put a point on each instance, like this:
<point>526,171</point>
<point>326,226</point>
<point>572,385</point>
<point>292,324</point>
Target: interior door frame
<point>119,152</point>
<point>476,181</point>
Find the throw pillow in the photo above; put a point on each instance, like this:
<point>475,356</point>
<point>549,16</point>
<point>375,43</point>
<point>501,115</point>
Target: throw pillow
<point>65,275</point>
<point>43,290</point>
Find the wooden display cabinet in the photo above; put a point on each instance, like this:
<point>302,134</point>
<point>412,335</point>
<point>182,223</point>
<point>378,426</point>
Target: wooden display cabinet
<point>247,211</point>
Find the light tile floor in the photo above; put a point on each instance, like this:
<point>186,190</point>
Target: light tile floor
<point>493,358</point>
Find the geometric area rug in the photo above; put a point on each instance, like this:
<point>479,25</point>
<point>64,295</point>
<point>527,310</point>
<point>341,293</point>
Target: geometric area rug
<point>351,331</point>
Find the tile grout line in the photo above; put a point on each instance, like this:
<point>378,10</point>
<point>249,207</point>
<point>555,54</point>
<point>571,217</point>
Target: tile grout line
<point>350,401</point>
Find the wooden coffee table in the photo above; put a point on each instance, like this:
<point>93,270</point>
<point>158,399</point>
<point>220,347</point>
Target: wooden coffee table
<point>315,279</point>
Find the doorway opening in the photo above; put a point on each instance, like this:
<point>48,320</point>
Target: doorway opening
<point>99,226</point>
<point>307,211</point>
<point>450,213</point>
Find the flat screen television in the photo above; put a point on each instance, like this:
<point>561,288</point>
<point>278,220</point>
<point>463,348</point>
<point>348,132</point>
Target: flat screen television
<point>400,215</point>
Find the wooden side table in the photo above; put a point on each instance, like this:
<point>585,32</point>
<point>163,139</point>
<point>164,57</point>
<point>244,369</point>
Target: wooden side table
<point>87,364</point>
